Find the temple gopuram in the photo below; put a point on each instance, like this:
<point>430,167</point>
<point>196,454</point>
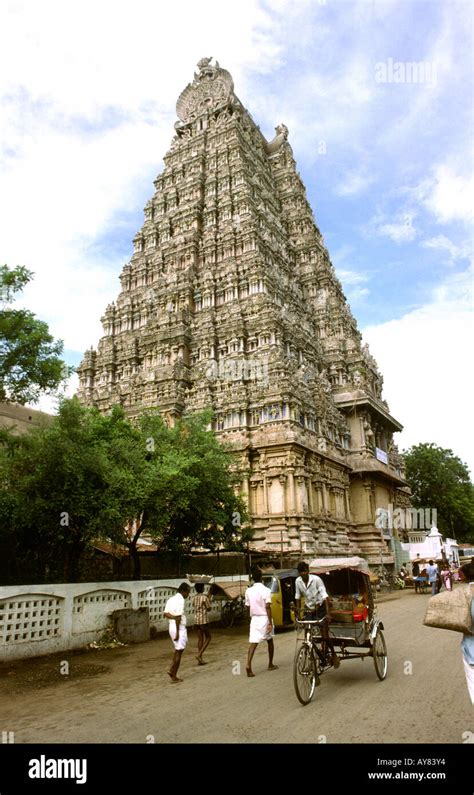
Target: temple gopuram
<point>230,301</point>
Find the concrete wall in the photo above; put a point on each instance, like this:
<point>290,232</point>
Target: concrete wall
<point>21,418</point>
<point>43,619</point>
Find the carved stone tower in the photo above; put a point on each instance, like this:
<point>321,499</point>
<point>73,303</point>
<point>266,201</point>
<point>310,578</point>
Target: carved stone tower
<point>230,301</point>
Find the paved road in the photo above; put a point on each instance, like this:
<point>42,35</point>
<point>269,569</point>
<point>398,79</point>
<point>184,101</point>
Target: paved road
<point>124,695</point>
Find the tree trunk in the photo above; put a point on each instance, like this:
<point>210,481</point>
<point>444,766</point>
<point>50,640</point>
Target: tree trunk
<point>73,557</point>
<point>132,548</point>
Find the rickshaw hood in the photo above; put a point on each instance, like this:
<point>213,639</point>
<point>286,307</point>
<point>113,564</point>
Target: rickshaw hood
<point>320,565</point>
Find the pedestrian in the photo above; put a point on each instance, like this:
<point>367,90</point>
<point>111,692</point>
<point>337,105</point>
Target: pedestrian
<point>400,580</point>
<point>432,572</point>
<point>201,604</point>
<point>259,599</point>
<point>416,574</point>
<point>447,576</point>
<point>467,643</point>
<point>316,603</point>
<point>174,612</point>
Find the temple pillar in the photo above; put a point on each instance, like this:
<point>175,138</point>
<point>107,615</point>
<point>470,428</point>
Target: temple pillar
<point>291,502</point>
<point>253,499</point>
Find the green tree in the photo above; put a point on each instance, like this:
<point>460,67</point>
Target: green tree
<point>86,476</point>
<point>188,492</point>
<point>439,479</point>
<point>30,360</point>
<point>65,484</point>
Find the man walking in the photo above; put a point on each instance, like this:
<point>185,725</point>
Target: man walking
<point>202,604</point>
<point>258,598</point>
<point>416,574</point>
<point>433,574</point>
<point>174,611</point>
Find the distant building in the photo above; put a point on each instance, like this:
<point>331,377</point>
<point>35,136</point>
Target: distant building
<point>431,545</point>
<point>21,418</point>
<point>230,301</point>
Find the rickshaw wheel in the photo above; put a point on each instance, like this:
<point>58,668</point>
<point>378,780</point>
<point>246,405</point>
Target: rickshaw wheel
<point>304,674</point>
<point>379,652</point>
<point>227,615</point>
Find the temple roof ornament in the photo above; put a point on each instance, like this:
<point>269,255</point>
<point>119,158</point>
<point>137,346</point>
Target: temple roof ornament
<point>211,89</point>
<point>281,135</point>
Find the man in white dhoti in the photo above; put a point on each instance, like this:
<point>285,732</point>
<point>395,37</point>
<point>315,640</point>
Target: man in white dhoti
<point>259,599</point>
<point>174,611</point>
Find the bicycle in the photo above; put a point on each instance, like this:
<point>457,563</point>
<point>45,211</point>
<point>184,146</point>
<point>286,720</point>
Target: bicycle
<point>232,612</point>
<point>386,581</point>
<point>355,629</point>
<point>312,659</point>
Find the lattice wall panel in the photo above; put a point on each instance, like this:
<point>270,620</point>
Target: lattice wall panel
<point>30,617</point>
<point>92,610</point>
<point>155,599</point>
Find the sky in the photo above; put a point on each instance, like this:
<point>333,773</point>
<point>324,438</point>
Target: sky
<point>377,96</point>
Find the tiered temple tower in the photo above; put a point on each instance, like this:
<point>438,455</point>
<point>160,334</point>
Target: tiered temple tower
<point>230,301</point>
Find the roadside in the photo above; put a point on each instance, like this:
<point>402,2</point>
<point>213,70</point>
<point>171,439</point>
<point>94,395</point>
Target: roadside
<point>124,695</point>
<point>35,673</point>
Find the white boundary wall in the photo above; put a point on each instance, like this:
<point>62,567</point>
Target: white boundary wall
<point>43,619</point>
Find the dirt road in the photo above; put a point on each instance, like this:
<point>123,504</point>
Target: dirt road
<point>124,695</point>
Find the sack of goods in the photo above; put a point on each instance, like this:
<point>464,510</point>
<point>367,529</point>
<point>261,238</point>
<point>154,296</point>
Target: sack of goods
<point>451,610</point>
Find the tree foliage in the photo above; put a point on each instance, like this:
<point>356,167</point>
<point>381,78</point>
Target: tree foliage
<point>88,476</point>
<point>30,360</point>
<point>189,495</point>
<point>439,479</point>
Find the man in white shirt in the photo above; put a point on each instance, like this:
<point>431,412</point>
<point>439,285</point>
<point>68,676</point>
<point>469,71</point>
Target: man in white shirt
<point>259,598</point>
<point>316,603</point>
<point>174,611</point>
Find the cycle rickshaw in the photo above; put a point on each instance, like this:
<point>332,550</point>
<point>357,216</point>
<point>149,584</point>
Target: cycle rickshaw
<point>232,595</point>
<point>354,628</point>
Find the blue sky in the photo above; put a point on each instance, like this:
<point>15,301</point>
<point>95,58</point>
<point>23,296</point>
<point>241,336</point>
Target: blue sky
<point>88,104</point>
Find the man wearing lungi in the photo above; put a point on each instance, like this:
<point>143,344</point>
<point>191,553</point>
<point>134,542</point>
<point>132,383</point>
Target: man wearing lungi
<point>259,599</point>
<point>174,611</point>
<point>202,604</point>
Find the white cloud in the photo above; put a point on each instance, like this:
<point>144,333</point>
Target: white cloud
<point>87,109</point>
<point>428,379</point>
<point>449,196</point>
<point>400,229</point>
<point>87,55</point>
<point>354,182</point>
<point>356,295</point>
<point>352,277</point>
<point>443,243</point>
<point>353,283</point>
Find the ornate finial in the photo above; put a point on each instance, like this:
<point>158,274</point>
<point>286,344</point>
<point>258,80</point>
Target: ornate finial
<point>282,129</point>
<point>203,63</point>
<point>211,89</point>
<point>281,135</point>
